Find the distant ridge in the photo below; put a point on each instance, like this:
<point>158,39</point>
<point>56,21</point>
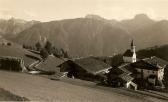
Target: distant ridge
<point>95,35</point>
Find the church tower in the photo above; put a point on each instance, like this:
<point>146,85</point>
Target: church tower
<point>130,54</point>
<point>133,51</point>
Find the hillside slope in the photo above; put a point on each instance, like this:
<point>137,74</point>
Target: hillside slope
<point>81,36</point>
<point>15,50</point>
<point>94,35</point>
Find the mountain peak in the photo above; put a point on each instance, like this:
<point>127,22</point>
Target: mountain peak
<point>92,16</point>
<point>12,19</point>
<point>141,16</point>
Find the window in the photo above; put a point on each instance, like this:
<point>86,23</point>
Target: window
<point>153,71</point>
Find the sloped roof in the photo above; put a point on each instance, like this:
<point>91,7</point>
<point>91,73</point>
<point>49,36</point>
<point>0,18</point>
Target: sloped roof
<point>50,64</point>
<point>125,77</point>
<point>156,61</point>
<point>144,65</point>
<point>124,67</point>
<point>116,71</point>
<point>92,65</point>
<point>121,73</point>
<point>128,53</point>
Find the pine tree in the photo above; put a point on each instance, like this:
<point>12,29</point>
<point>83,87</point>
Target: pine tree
<point>38,46</point>
<point>48,47</point>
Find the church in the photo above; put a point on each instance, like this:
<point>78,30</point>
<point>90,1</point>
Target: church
<point>130,55</point>
<point>149,69</point>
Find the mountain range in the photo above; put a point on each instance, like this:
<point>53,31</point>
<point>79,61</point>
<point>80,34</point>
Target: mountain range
<point>90,35</point>
<point>10,28</point>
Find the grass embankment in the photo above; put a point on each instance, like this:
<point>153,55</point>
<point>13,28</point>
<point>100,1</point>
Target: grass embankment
<point>8,96</point>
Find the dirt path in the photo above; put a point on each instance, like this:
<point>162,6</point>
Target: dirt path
<point>39,88</point>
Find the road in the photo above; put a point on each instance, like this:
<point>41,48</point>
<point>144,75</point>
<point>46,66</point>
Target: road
<point>37,88</point>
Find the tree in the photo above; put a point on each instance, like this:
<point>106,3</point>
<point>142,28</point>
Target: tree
<point>48,47</point>
<point>117,60</point>
<point>44,53</point>
<point>38,46</point>
<point>66,54</point>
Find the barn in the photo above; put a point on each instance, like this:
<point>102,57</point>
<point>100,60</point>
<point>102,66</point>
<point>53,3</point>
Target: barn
<point>85,68</point>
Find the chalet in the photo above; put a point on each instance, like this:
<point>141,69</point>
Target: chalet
<point>151,69</point>
<point>120,77</point>
<point>49,65</point>
<point>130,55</point>
<point>86,68</point>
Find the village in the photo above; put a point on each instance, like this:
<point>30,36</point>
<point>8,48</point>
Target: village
<point>132,73</point>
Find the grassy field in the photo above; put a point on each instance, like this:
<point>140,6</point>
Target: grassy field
<point>38,88</point>
<point>8,96</point>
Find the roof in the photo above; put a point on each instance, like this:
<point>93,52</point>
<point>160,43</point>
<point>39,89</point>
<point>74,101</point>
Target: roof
<point>92,65</point>
<point>50,64</point>
<point>156,61</point>
<point>128,53</point>
<point>124,67</point>
<point>125,77</point>
<point>153,63</point>
<point>121,73</point>
<point>116,71</point>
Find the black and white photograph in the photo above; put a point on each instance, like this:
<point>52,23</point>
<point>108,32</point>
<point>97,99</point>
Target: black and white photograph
<point>84,50</point>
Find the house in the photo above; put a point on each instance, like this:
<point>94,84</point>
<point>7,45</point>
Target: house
<point>12,63</point>
<point>49,65</point>
<point>120,77</point>
<point>151,69</point>
<point>130,55</point>
<point>85,68</point>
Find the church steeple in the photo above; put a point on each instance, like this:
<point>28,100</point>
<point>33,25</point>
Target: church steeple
<point>133,51</point>
<point>132,44</point>
<point>130,54</point>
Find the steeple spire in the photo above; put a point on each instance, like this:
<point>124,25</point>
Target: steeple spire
<point>132,44</point>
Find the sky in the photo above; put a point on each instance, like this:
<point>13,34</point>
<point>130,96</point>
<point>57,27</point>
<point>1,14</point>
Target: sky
<point>47,10</point>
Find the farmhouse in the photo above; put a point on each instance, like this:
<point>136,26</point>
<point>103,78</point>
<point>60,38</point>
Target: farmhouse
<point>121,77</point>
<point>151,69</point>
<point>86,68</point>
